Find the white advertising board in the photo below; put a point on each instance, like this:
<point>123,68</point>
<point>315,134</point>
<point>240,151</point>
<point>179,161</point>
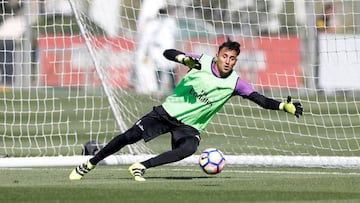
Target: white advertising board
<point>339,67</point>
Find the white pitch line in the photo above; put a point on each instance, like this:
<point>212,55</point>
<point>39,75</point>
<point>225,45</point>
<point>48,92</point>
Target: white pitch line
<point>296,172</point>
<point>224,171</point>
<point>278,172</point>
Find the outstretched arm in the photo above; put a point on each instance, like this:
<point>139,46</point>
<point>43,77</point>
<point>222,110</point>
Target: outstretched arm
<point>268,103</point>
<point>265,102</point>
<point>180,57</point>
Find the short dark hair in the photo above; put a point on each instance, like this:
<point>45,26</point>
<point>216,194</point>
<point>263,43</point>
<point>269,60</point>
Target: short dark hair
<point>231,45</point>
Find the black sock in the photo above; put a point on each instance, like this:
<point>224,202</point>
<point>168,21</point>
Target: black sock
<point>185,149</point>
<point>129,137</point>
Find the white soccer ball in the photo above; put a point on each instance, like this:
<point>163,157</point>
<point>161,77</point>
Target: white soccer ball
<point>212,161</point>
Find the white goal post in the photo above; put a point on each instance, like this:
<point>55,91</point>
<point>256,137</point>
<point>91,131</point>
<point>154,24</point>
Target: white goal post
<point>74,71</point>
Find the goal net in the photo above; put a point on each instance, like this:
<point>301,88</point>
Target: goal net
<point>78,71</point>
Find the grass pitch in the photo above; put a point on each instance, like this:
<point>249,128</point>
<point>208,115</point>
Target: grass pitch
<point>173,184</point>
<point>325,129</point>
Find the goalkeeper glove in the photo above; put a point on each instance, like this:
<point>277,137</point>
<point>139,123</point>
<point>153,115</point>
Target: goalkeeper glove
<point>293,108</point>
<point>189,61</point>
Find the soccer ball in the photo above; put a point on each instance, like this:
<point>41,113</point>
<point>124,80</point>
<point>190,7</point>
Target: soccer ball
<point>212,161</point>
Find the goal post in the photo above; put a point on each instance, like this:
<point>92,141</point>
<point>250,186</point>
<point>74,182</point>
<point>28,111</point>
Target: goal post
<point>94,72</point>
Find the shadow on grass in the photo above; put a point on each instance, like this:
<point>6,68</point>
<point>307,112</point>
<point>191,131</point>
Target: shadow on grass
<point>157,178</point>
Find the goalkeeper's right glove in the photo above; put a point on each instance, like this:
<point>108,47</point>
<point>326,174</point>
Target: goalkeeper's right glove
<point>189,61</point>
<point>293,108</point>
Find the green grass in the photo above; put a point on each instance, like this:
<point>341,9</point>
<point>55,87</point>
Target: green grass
<point>173,184</point>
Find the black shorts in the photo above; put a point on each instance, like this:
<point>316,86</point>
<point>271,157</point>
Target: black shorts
<point>158,122</point>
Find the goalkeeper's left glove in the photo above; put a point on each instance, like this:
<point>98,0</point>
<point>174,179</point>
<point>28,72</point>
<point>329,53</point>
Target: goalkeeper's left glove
<point>293,108</point>
<point>190,62</point>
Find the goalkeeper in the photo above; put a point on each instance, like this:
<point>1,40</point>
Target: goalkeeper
<point>207,86</point>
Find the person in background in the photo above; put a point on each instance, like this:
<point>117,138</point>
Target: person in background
<point>325,24</point>
<point>167,34</point>
<point>161,34</point>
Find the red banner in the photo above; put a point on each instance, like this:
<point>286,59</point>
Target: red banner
<point>65,61</point>
<point>278,61</point>
<point>268,62</point>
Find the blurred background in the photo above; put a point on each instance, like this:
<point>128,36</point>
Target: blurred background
<point>81,70</point>
<point>22,23</point>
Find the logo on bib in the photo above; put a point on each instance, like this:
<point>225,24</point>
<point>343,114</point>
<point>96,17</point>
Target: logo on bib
<point>202,96</point>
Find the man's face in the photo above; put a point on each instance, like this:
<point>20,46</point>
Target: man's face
<point>226,60</point>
